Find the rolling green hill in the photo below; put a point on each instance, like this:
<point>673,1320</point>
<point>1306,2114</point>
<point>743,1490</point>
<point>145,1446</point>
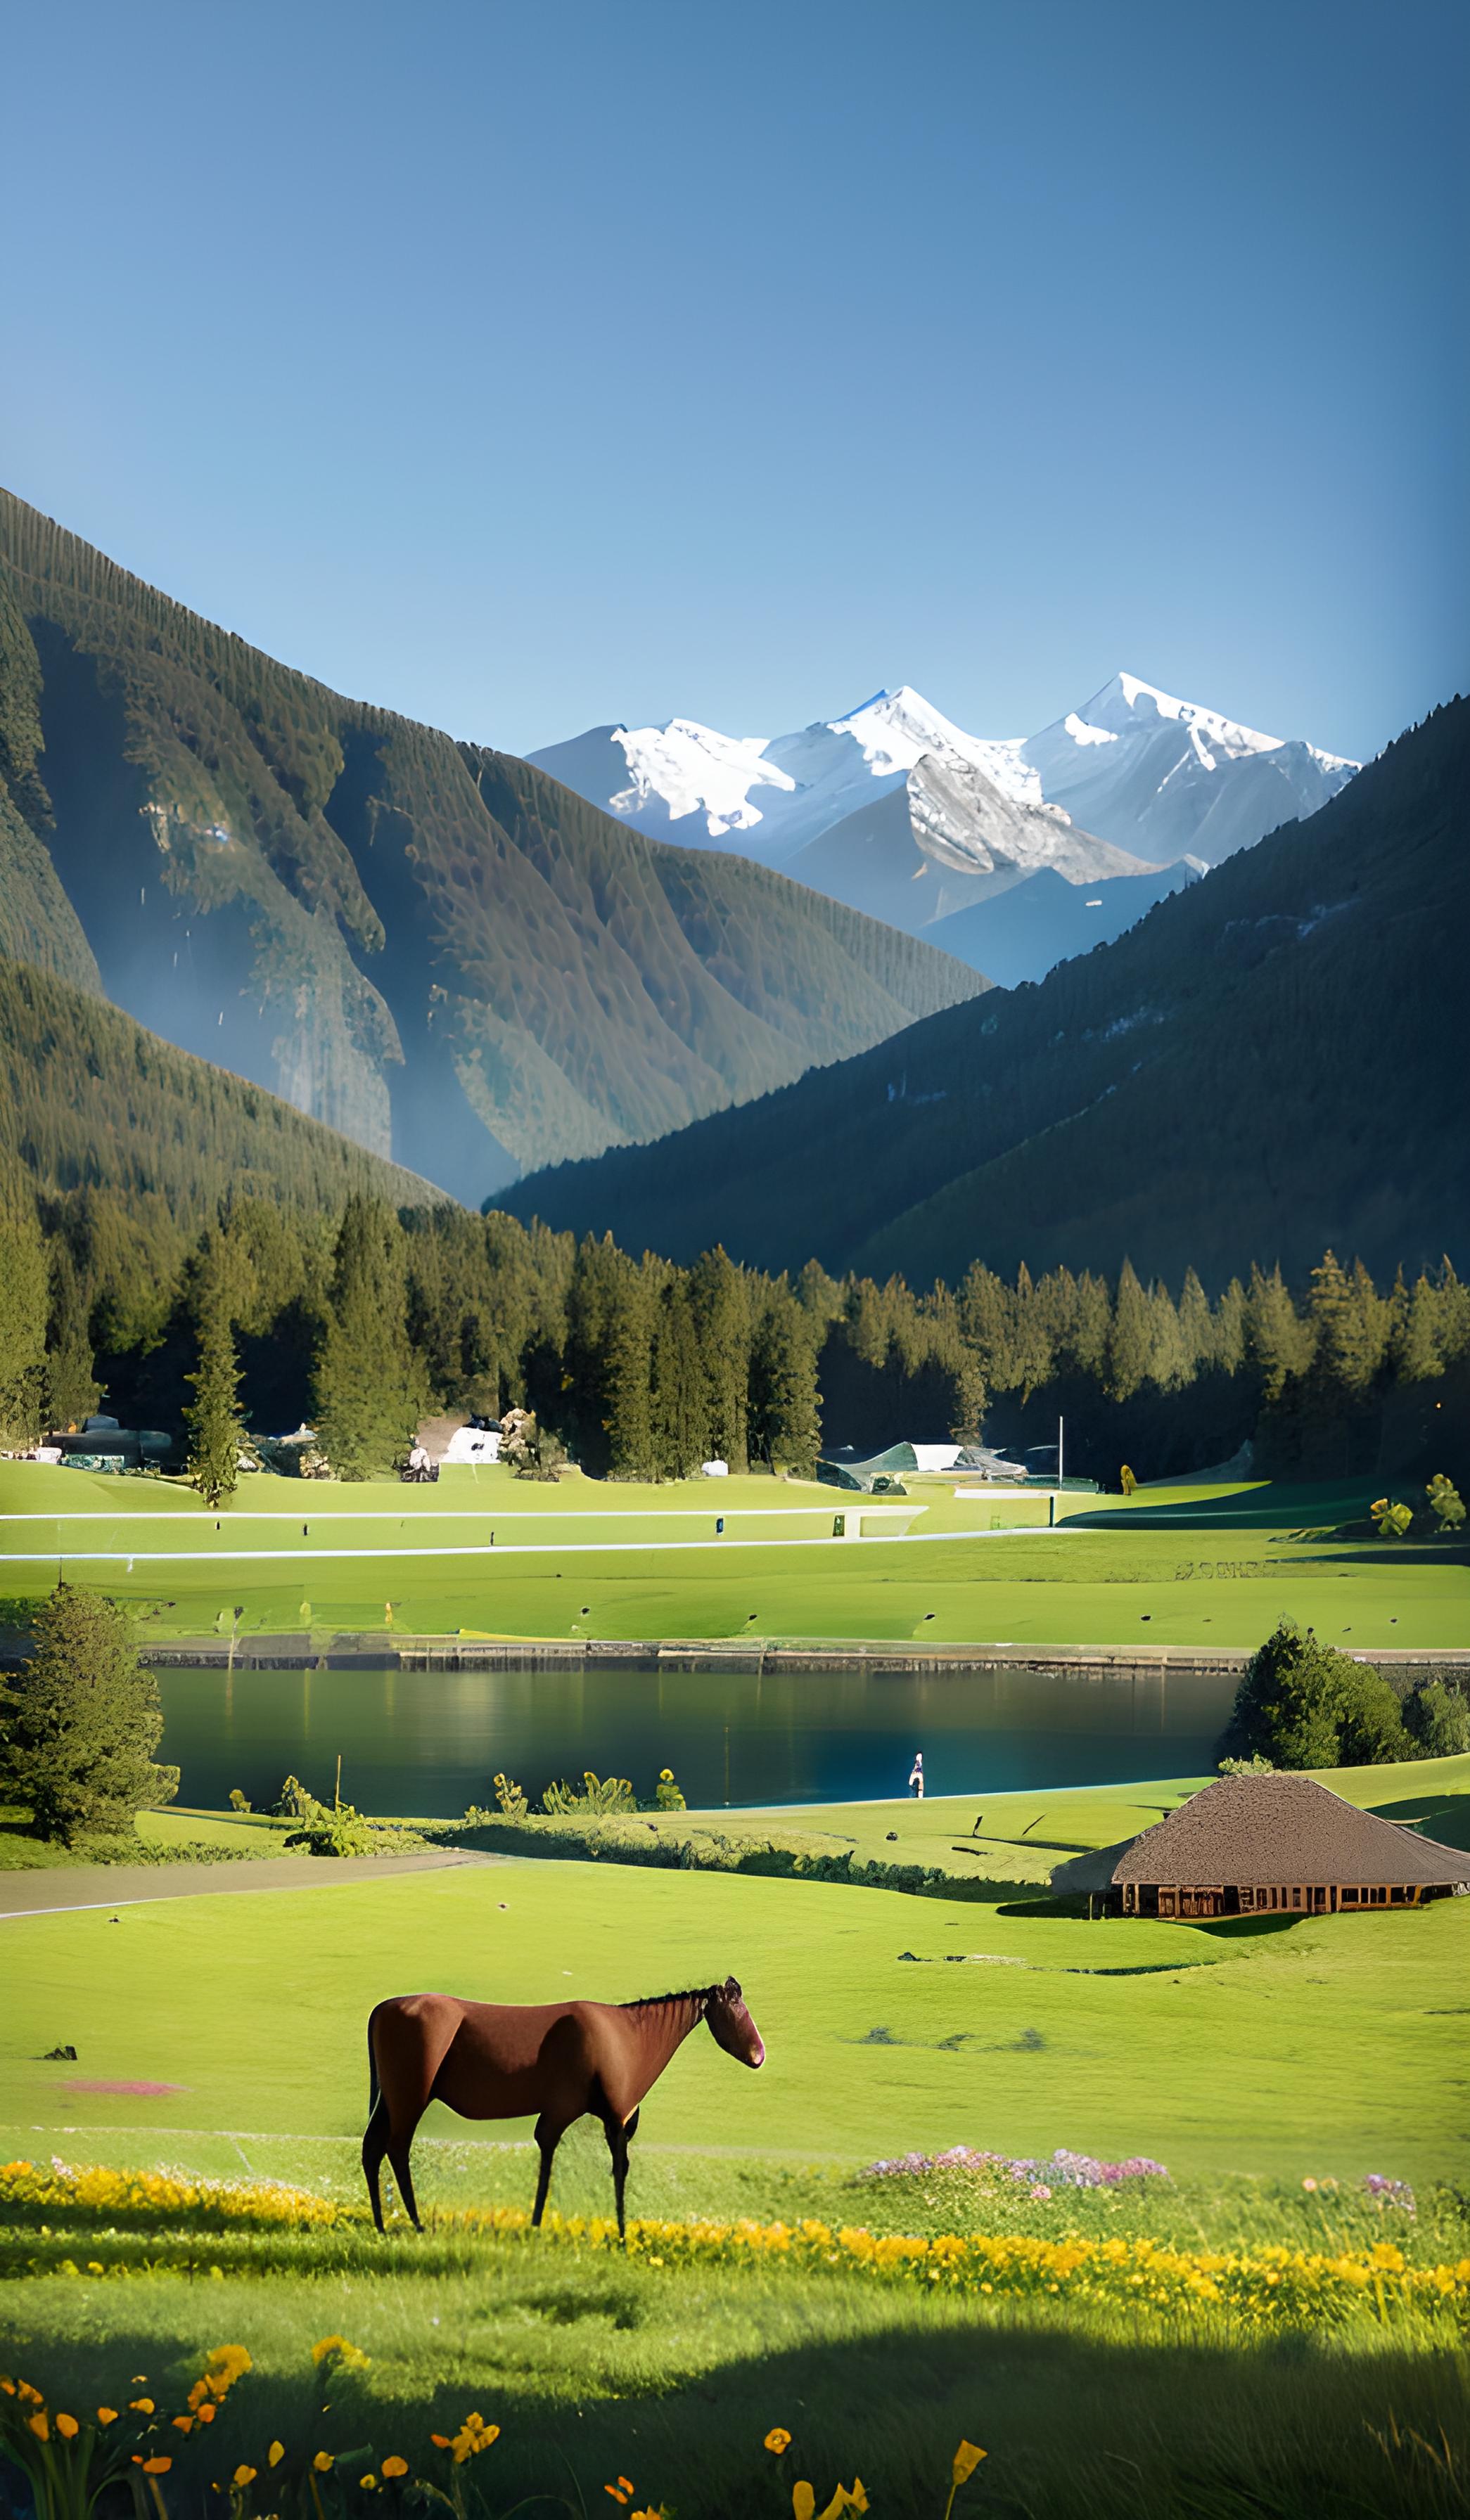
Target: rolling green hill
<point>1267,1064</point>
<point>429,945</point>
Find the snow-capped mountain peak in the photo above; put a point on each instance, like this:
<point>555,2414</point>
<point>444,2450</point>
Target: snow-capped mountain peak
<point>686,769</point>
<point>896,729</point>
<point>895,810</point>
<point>1127,702</point>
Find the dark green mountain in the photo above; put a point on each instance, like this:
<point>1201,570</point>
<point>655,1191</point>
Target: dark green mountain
<point>1270,1063</point>
<point>431,946</point>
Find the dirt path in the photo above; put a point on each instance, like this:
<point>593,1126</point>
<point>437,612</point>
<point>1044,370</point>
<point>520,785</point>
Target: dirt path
<point>52,1892</point>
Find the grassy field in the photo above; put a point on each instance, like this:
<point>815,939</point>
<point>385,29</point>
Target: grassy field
<point>892,2022</point>
<point>1197,1568</point>
<point>1248,2059</point>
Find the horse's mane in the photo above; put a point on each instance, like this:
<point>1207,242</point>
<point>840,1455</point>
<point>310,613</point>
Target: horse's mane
<point>678,1994</point>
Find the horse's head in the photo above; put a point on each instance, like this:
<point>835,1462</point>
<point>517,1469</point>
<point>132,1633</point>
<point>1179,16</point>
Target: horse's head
<point>729,2019</point>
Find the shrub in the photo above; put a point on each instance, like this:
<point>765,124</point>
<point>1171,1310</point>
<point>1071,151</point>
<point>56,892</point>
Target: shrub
<point>1445,1503</point>
<point>1301,1704</point>
<point>1437,1720</point>
<point>511,1799</point>
<point>599,1795</point>
<point>1394,1521</point>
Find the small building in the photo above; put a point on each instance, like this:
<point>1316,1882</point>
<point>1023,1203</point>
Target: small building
<point>867,1473</point>
<point>1266,1845</point>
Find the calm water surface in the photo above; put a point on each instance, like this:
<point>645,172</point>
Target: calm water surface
<point>430,1742</point>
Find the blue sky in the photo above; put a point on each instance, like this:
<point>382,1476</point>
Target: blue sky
<point>524,368</point>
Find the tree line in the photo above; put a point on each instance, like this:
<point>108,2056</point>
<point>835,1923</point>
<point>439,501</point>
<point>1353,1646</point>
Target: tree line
<point>366,1321</point>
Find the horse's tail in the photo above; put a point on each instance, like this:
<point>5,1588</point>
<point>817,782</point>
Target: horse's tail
<point>372,2069</point>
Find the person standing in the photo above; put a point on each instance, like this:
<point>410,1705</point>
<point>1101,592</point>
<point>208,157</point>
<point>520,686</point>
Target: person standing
<point>916,1776</point>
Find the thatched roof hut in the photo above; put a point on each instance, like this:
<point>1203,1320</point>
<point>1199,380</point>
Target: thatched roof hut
<point>1252,1844</point>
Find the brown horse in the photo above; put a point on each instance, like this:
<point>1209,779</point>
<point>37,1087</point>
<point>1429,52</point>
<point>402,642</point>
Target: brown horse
<point>553,2061</point>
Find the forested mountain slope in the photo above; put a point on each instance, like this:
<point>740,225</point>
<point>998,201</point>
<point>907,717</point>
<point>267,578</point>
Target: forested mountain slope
<point>89,1101</point>
<point>1268,1063</point>
<point>429,945</point>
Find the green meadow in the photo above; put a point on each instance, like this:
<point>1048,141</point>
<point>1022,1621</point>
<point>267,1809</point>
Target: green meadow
<point>1269,2067</point>
<point>1195,1568</point>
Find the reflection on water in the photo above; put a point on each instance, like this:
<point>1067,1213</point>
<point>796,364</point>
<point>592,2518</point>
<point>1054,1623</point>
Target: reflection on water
<point>430,1742</point>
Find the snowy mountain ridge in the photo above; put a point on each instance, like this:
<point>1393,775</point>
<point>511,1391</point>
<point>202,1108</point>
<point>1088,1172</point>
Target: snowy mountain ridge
<point>897,811</point>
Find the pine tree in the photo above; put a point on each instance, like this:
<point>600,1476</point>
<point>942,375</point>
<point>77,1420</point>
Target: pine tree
<point>785,1406</point>
<point>80,1725</point>
<point>1353,1324</point>
<point>986,1318</point>
<point>370,1388</point>
<point>682,1397</point>
<point>1031,1333</point>
<point>24,1302</point>
<point>1092,1326</point>
<point>212,1416</point>
<point>1414,1343</point>
<point>634,1451</point>
<point>1168,1365</point>
<point>1131,1339</point>
<point>1278,1342</point>
<point>1197,1328</point>
<point>720,1294</point>
<point>1230,1328</point>
<point>72,1388</point>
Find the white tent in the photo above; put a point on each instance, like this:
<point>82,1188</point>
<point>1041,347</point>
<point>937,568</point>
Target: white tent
<point>473,1444</point>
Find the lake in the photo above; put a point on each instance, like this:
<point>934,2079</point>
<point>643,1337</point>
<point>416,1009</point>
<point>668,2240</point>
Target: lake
<point>428,1744</point>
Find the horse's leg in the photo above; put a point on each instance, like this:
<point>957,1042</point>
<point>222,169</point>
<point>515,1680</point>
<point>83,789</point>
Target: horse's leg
<point>549,2133</point>
<point>618,2141</point>
<point>375,2145</point>
<point>398,2148</point>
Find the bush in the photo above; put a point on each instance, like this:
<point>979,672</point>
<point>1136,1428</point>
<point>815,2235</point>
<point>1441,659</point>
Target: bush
<point>79,1727</point>
<point>1445,1503</point>
<point>1437,1720</point>
<point>1301,1704</point>
<point>1395,1521</point>
<point>599,1797</point>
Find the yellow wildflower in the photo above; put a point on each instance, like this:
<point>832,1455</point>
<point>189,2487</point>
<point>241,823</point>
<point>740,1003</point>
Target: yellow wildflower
<point>106,2414</point>
<point>183,2423</point>
<point>275,2453</point>
<point>243,2475</point>
<point>141,2406</point>
<point>778,2439</point>
<point>67,2426</point>
<point>337,2348</point>
<point>322,2461</point>
<point>396,2467</point>
<point>157,2466</point>
<point>803,2500</point>
<point>38,2425</point>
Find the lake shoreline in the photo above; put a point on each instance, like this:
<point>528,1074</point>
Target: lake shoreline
<point>368,1653</point>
